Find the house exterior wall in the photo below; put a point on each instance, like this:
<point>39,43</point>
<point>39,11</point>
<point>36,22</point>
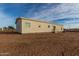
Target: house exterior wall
<point>59,28</point>
<point>19,26</point>
<point>36,27</point>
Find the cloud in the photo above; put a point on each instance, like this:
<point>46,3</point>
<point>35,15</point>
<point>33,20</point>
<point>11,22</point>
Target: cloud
<point>59,12</point>
<point>65,13</point>
<point>69,12</point>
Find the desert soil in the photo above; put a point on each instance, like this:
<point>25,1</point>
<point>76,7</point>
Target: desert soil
<point>40,44</point>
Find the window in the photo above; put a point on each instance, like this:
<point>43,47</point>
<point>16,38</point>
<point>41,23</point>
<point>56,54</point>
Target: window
<point>27,24</point>
<point>39,26</point>
<point>48,26</point>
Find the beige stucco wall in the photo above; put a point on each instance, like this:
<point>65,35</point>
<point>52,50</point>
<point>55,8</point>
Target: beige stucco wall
<point>35,29</point>
<point>21,28</point>
<point>59,28</point>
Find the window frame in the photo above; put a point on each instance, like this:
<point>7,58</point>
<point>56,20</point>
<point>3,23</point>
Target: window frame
<point>39,26</point>
<point>27,24</point>
<point>49,26</point>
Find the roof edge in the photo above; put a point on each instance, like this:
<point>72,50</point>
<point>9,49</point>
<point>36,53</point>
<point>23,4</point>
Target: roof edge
<point>21,18</point>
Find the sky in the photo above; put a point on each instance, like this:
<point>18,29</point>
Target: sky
<point>66,14</point>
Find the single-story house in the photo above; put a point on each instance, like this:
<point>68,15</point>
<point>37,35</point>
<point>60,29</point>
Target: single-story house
<point>25,25</point>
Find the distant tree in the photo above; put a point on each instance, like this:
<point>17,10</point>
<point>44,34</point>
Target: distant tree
<point>4,27</point>
<point>11,27</point>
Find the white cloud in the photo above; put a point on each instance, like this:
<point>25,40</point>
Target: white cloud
<point>61,11</point>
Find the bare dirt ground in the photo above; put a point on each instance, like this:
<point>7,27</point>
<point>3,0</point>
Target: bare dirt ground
<point>42,44</point>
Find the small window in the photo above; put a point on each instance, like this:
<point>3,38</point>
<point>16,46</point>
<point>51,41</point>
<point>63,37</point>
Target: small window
<point>48,26</point>
<point>39,26</point>
<point>27,24</point>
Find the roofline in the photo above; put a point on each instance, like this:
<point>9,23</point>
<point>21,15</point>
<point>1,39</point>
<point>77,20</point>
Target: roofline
<point>17,20</point>
<point>21,18</point>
